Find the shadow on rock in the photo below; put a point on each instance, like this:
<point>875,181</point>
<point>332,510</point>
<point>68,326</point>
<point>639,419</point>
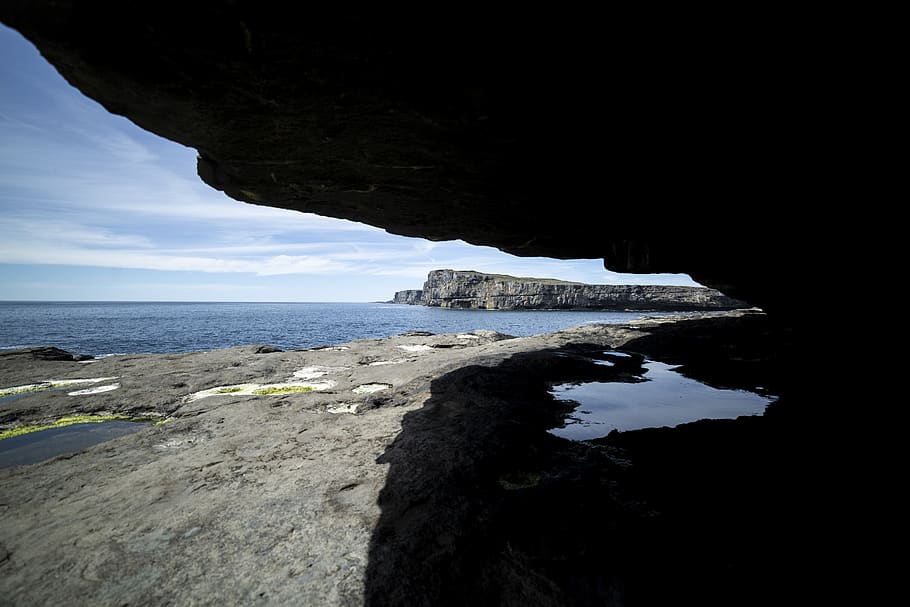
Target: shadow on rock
<point>483,507</point>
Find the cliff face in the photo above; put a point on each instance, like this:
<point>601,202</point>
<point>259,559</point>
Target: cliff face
<point>411,297</point>
<point>474,290</point>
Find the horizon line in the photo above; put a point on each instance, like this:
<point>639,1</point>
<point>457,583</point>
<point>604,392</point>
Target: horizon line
<point>2,301</point>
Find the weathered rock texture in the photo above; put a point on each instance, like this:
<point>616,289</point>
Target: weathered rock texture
<point>475,290</point>
<point>514,129</point>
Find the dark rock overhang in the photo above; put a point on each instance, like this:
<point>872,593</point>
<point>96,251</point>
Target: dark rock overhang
<point>539,133</point>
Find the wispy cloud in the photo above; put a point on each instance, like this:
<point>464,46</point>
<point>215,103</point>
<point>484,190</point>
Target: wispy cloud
<point>114,144</point>
<point>142,260</point>
<point>53,234</point>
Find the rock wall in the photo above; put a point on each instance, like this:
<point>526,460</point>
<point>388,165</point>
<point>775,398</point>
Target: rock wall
<point>475,290</point>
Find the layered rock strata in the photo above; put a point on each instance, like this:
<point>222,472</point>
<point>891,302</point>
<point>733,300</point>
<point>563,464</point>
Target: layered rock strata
<point>475,290</point>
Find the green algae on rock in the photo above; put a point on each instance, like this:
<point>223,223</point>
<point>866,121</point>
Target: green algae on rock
<point>252,389</point>
<point>269,390</point>
<point>76,419</point>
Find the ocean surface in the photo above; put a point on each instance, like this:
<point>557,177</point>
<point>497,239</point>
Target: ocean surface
<point>104,328</point>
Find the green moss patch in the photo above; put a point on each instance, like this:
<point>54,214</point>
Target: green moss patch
<point>518,480</point>
<point>25,389</point>
<point>283,390</point>
<point>262,389</point>
<point>72,420</point>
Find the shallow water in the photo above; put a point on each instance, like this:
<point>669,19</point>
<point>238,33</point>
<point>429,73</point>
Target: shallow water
<point>664,398</point>
<point>12,397</point>
<point>45,444</point>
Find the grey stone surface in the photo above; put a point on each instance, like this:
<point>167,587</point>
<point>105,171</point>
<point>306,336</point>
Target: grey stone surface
<point>235,499</point>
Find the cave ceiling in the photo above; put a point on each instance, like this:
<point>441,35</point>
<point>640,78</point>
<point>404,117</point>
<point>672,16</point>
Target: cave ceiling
<point>538,133</point>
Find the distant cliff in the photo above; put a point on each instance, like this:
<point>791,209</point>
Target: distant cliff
<point>474,290</point>
<point>411,297</point>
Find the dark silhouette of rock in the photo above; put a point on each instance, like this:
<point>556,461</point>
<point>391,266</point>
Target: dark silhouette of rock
<point>267,349</point>
<point>46,353</point>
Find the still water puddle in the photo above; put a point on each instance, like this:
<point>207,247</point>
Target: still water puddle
<point>664,398</point>
<point>38,446</point>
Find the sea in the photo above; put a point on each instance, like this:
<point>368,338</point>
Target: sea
<point>108,328</point>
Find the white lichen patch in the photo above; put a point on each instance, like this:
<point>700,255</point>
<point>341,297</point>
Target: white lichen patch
<point>222,390</point>
<point>49,384</point>
<point>177,443</point>
<point>261,389</point>
<point>95,390</point>
<point>62,383</point>
<point>415,348</point>
<point>370,388</point>
<point>316,371</point>
<point>467,336</point>
<point>380,363</point>
<point>24,388</point>
<point>342,408</point>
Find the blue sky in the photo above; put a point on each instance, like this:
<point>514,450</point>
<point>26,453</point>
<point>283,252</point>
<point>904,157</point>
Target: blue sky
<point>94,208</point>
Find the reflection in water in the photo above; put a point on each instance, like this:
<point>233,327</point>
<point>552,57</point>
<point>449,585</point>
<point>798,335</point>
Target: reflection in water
<point>44,444</point>
<point>664,398</point>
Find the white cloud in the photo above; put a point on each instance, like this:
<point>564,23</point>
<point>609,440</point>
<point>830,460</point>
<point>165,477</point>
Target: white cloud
<point>62,235</point>
<point>300,264</point>
<point>73,254</point>
<point>114,144</point>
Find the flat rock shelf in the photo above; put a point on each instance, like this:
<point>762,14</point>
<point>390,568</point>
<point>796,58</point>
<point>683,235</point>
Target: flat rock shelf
<point>412,470</point>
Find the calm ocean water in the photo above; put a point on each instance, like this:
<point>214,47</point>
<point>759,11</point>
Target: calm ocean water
<point>100,328</point>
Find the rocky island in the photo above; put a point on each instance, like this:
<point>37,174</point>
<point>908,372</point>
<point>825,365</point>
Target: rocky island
<point>468,289</point>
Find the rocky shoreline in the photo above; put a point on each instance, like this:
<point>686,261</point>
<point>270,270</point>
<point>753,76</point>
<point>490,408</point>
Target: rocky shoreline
<point>414,470</point>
